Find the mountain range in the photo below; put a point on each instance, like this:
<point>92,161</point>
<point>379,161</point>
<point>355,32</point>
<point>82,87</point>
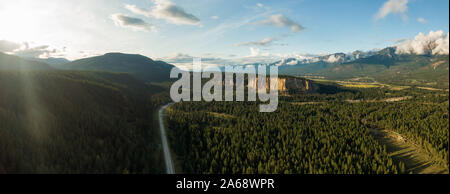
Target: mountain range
<point>330,58</point>
<point>386,66</point>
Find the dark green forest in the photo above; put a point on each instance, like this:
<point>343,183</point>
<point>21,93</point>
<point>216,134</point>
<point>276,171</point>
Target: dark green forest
<point>319,133</point>
<point>77,122</point>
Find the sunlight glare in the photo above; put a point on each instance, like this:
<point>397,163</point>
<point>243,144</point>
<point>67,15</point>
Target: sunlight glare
<point>21,20</point>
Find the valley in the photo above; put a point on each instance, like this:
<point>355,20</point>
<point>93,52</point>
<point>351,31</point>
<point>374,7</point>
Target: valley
<point>317,129</point>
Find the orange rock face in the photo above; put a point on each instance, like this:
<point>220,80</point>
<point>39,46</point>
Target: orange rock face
<point>286,84</point>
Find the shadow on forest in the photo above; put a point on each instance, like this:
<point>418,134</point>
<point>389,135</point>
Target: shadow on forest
<point>415,160</point>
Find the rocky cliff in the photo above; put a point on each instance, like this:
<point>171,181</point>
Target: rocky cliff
<point>288,84</point>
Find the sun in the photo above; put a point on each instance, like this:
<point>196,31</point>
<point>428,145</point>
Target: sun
<point>20,20</point>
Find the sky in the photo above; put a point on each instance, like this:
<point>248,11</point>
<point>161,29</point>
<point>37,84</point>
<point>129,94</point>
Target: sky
<point>219,30</point>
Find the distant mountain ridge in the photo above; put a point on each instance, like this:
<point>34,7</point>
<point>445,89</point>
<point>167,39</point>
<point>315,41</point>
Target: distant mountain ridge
<point>54,62</point>
<point>10,62</point>
<point>330,58</point>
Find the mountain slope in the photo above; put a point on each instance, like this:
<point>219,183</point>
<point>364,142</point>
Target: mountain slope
<point>10,62</point>
<point>139,66</point>
<point>305,69</point>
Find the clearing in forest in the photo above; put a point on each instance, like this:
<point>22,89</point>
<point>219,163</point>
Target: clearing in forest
<point>416,160</point>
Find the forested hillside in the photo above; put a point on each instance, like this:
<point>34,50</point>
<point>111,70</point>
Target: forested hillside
<point>321,133</point>
<point>76,122</point>
<point>141,67</point>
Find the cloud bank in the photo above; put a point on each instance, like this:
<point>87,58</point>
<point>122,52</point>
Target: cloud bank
<point>27,50</point>
<point>135,24</point>
<point>435,43</point>
<point>280,20</point>
<point>34,52</point>
<point>393,7</point>
<point>166,10</point>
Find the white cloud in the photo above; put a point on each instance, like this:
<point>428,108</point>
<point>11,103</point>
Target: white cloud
<point>34,52</point>
<point>279,20</point>
<point>166,10</point>
<point>137,10</point>
<point>179,58</point>
<point>399,40</point>
<point>263,42</point>
<point>254,52</point>
<point>89,53</point>
<point>256,56</point>
<point>135,24</point>
<point>186,58</point>
<point>215,17</point>
<point>435,42</point>
<point>260,7</point>
<point>393,7</point>
<point>7,46</point>
<point>293,62</point>
<point>333,59</point>
<point>184,61</point>
<point>422,20</point>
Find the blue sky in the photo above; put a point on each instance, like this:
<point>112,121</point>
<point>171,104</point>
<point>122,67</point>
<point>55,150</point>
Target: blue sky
<point>215,28</point>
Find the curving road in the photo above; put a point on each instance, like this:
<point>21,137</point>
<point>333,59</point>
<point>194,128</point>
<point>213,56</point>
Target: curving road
<point>167,157</point>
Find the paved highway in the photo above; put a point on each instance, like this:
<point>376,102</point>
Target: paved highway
<point>167,157</point>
